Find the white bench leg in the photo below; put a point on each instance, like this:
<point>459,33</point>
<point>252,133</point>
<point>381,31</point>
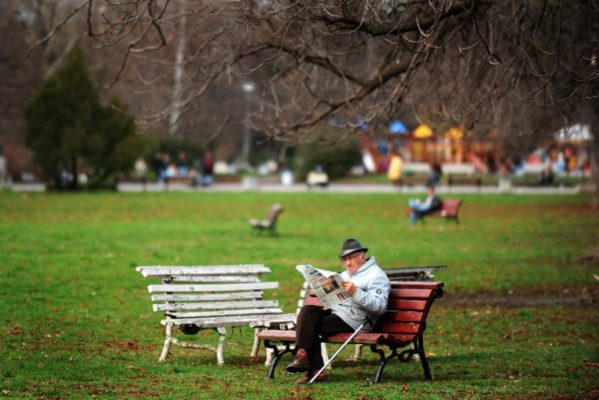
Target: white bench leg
<point>167,342</point>
<point>357,353</point>
<point>256,345</point>
<point>222,334</point>
<point>269,355</point>
<point>325,354</point>
<point>415,357</point>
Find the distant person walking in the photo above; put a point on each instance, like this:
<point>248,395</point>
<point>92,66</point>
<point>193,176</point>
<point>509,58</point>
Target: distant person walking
<point>395,168</point>
<point>208,169</point>
<point>182,164</point>
<point>434,175</point>
<point>160,165</point>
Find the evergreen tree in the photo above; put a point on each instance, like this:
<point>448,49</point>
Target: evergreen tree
<point>112,145</point>
<point>67,128</point>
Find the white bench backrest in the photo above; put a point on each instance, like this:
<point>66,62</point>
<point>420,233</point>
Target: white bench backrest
<point>228,292</point>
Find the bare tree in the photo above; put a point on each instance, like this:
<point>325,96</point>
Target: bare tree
<point>19,81</point>
<point>527,68</point>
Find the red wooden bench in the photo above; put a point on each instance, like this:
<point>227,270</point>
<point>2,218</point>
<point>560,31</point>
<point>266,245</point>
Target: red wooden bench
<point>403,325</point>
<point>449,211</point>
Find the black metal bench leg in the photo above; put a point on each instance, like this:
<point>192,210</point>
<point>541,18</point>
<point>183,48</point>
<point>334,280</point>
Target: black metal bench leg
<point>422,354</point>
<point>277,356</point>
<point>383,361</point>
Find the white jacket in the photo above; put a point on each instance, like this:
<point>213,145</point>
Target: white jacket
<point>370,298</point>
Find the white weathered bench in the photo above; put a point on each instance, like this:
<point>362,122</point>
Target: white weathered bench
<point>213,297</point>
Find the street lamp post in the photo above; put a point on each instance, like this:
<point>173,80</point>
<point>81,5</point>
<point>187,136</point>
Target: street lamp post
<point>248,87</point>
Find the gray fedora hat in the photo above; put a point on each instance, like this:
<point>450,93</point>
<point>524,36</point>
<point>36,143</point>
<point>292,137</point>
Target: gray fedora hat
<point>351,246</point>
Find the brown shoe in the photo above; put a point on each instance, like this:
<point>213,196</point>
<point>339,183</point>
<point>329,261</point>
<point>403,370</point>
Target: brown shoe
<point>300,362</point>
<point>306,379</point>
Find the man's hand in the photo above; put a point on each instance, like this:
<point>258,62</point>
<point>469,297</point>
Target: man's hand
<point>349,287</point>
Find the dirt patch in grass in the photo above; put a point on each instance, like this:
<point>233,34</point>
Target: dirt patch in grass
<point>579,295</point>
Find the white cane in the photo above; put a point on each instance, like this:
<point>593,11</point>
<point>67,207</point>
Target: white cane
<point>338,350</point>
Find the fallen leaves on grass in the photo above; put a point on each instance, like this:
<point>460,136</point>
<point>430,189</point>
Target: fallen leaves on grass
<point>15,331</point>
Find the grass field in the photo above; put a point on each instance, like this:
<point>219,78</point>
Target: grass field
<point>518,320</point>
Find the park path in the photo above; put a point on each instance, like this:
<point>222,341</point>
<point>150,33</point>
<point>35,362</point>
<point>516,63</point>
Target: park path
<point>341,188</point>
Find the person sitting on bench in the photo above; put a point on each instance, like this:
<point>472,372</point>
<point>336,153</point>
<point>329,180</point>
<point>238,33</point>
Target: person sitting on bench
<point>369,288</point>
<point>418,208</point>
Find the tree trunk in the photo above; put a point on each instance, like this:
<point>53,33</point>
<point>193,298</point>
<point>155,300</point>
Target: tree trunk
<point>595,163</point>
<point>179,72</point>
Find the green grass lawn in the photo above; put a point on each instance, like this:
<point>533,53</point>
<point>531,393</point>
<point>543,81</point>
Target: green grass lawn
<point>519,318</point>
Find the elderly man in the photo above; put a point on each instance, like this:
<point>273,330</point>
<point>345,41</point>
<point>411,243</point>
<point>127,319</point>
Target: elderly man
<point>369,288</point>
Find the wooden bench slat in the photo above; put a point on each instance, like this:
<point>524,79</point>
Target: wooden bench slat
<point>398,304</point>
<point>214,279</point>
<point>215,305</point>
<point>417,285</point>
<point>263,320</point>
<point>398,327</point>
<point>203,270</point>
<point>398,338</point>
<point>416,292</point>
<point>360,338</point>
<point>410,293</point>
<point>371,338</point>
<point>395,303</point>
<point>225,321</point>
<point>212,288</point>
<point>402,316</point>
<point>208,296</point>
<point>277,335</point>
<point>262,311</point>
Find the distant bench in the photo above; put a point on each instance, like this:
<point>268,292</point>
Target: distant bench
<point>403,325</point>
<point>213,297</point>
<point>269,223</point>
<point>468,180</point>
<point>179,181</point>
<point>135,180</point>
<point>449,211</point>
<point>413,179</point>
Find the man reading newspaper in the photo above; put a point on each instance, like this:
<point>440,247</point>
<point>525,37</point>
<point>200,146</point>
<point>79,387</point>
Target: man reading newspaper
<point>365,289</point>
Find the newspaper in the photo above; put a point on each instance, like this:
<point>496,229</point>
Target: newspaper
<point>325,284</point>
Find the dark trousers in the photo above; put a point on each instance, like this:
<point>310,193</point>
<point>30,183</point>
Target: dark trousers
<point>313,323</point>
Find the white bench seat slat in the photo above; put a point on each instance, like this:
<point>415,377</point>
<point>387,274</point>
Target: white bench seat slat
<point>215,305</point>
<point>212,288</point>
<point>266,320</point>
<point>204,314</point>
<point>208,296</point>
<point>227,321</point>
<point>216,279</point>
<point>166,270</point>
